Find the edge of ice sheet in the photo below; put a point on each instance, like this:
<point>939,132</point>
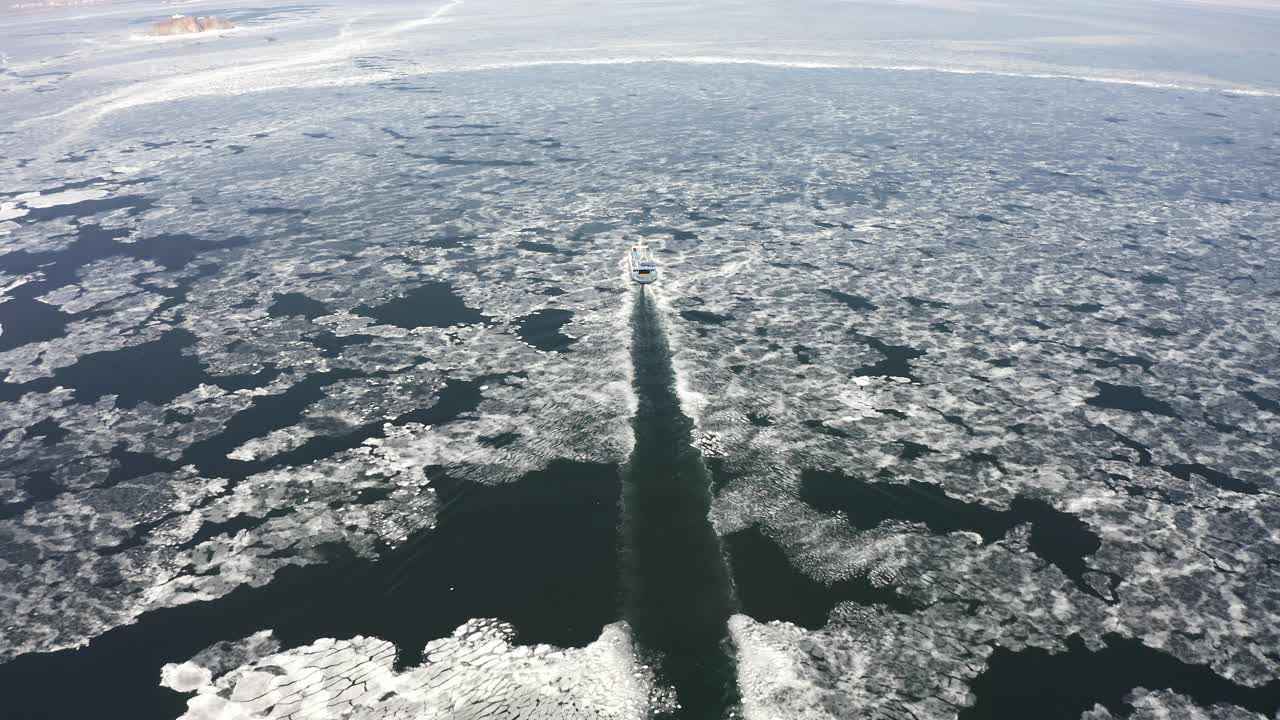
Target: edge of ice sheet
<point>232,80</point>
<point>890,67</point>
<point>476,673</point>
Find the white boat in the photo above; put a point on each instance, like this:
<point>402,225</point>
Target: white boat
<point>641,265</point>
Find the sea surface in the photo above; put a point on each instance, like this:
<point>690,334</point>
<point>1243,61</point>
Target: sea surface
<point>323,393</point>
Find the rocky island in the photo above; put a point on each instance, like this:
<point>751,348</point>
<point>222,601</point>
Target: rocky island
<point>185,24</point>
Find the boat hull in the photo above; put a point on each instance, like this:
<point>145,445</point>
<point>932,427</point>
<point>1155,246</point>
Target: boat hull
<point>641,266</point>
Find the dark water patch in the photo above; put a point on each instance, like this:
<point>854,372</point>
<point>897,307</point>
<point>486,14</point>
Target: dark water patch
<point>456,398</point>
<point>1064,540</point>
<point>129,465</point>
<point>72,185</point>
<point>720,475</point>
<point>432,304</point>
<point>1034,683</point>
<point>37,486</point>
<point>11,391</point>
<point>1175,497</point>
<point>707,318</point>
<point>470,162</point>
<point>237,149</point>
<point>176,251</point>
<point>40,486</point>
<point>209,456</point>
<point>895,363</point>
<point>1154,279</point>
<point>853,302</point>
<point>23,319</point>
<point>1128,398</point>
<point>867,504</point>
<point>769,587</point>
<point>759,419</point>
<point>552,291</point>
<point>790,265</point>
<point>1084,308</point>
<point>1143,452</point>
<point>398,136</point>
<point>675,233</point>
<point>133,204</point>
<point>541,329</point>
<point>677,593</point>
<point>370,496</point>
<point>94,243</point>
<point>296,304</point>
<point>589,230</point>
<point>500,440</point>
<point>1261,401</point>
<point>1058,538</point>
<point>706,220</point>
<point>231,527</point>
<point>318,135</point>
<point>1115,360</point>
<point>1185,471</point>
<point>546,544</point>
<point>804,354</point>
<point>1157,332</point>
<point>11,510</point>
<point>912,451</point>
<point>154,372</point>
<point>826,429</point>
<point>266,414</point>
<point>541,247</point>
<point>49,432</point>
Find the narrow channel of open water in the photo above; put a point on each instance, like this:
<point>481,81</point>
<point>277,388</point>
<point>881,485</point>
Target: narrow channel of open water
<point>677,592</point>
